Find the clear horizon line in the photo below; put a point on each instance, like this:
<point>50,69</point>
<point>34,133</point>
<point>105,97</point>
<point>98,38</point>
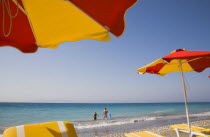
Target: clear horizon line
<point>104,102</point>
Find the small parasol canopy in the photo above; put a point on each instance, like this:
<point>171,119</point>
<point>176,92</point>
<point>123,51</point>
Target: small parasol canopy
<point>179,60</point>
<point>29,24</point>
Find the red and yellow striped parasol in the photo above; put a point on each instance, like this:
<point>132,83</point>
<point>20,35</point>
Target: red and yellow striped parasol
<point>179,61</point>
<point>189,60</point>
<point>29,24</point>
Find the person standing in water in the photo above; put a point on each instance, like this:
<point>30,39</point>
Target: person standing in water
<point>105,112</point>
<point>95,115</point>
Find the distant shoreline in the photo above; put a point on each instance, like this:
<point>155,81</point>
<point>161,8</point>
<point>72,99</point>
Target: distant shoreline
<point>105,103</point>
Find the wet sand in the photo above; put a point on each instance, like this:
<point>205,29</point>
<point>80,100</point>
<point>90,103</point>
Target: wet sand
<point>165,130</point>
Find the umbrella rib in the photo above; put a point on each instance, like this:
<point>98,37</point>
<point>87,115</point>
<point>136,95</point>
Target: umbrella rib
<point>185,61</point>
<point>194,59</point>
<point>21,8</point>
<point>37,43</point>
<point>105,27</point>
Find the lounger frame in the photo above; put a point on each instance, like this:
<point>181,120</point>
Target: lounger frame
<point>193,134</point>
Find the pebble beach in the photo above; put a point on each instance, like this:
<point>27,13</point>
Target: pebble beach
<point>165,130</point>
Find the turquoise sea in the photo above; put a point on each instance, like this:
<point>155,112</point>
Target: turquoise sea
<point>125,116</point>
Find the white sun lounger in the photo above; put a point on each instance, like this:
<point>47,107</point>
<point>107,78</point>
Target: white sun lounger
<point>195,131</point>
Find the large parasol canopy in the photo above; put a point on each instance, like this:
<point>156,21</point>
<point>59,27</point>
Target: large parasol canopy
<point>29,24</point>
<point>179,61</point>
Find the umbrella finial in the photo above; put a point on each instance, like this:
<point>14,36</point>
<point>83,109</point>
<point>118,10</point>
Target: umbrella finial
<point>178,50</point>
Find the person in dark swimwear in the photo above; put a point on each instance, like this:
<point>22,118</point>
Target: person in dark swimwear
<point>105,113</point>
<point>95,115</point>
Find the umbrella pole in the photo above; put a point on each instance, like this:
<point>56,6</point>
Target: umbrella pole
<point>185,98</point>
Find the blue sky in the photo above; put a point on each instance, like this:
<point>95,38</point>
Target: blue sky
<point>90,71</point>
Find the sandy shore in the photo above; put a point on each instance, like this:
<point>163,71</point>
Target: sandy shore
<point>165,130</point>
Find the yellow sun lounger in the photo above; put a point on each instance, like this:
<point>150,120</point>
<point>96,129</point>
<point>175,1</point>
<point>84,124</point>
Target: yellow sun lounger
<point>197,131</point>
<point>143,134</point>
<point>51,129</point>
